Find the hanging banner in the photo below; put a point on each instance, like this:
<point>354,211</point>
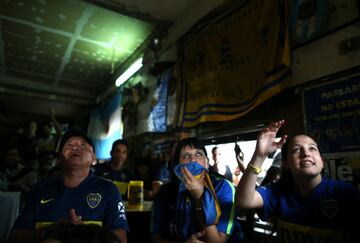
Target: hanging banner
<point>332,114</point>
<point>233,64</point>
<point>105,126</point>
<point>158,113</point>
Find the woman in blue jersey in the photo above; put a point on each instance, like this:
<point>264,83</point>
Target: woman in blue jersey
<point>307,206</point>
<point>194,206</point>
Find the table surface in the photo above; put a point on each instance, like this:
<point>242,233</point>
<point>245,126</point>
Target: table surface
<point>139,219</point>
<point>146,206</point>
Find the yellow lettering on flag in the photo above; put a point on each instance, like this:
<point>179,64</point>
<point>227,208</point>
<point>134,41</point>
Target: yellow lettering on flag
<point>294,233</point>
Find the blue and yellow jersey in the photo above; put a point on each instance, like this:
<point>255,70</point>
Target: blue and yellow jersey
<point>329,214</point>
<point>120,178</point>
<point>165,219</point>
<point>96,200</point>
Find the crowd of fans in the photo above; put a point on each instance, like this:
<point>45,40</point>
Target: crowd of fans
<point>62,185</point>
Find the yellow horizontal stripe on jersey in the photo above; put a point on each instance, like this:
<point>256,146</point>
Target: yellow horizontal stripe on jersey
<point>39,225</point>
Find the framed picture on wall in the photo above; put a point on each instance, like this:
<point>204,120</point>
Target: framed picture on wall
<point>310,19</point>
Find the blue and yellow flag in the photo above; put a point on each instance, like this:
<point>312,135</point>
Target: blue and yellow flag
<point>233,63</point>
<point>185,206</point>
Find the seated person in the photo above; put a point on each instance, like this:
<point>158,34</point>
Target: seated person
<point>19,177</point>
<point>143,173</point>
<point>78,196</point>
<point>152,180</point>
<point>161,175</point>
<point>195,206</point>
<point>114,169</point>
<point>47,161</point>
<point>306,205</point>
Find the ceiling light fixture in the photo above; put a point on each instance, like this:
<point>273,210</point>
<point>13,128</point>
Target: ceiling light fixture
<point>129,72</point>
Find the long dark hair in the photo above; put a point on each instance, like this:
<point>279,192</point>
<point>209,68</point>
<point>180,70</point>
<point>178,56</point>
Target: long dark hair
<point>174,180</point>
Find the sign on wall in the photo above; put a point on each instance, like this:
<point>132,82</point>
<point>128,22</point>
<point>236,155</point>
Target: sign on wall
<point>343,166</point>
<point>332,114</point>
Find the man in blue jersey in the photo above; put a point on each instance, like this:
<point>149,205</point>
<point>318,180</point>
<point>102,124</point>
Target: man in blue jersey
<point>78,196</point>
<point>114,169</point>
<point>194,206</point>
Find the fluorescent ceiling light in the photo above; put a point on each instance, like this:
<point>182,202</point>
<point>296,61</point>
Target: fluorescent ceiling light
<point>129,72</point>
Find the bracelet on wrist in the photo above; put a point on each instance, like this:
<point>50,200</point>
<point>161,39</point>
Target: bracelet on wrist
<point>252,169</point>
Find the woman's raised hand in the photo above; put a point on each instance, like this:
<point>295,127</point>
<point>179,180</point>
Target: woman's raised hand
<point>266,143</point>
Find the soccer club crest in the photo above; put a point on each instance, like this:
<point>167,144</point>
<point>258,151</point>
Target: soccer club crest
<point>329,208</point>
<point>93,199</point>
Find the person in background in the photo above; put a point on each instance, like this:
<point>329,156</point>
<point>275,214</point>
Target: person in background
<point>161,174</point>
<point>29,143</point>
<point>114,169</point>
<point>18,177</point>
<point>195,206</point>
<point>274,171</point>
<point>48,141</point>
<point>220,166</point>
<point>78,197</point>
<point>240,168</point>
<point>47,161</point>
<point>143,173</point>
<point>304,204</point>
<point>153,180</point>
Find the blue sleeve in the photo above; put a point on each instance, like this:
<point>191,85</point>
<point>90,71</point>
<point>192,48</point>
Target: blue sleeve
<point>115,216</point>
<point>225,193</point>
<point>209,207</point>
<point>270,198</point>
<point>162,174</point>
<point>26,219</point>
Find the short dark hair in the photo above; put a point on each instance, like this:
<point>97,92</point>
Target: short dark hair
<point>119,141</point>
<point>192,143</point>
<point>74,133</point>
<point>214,148</point>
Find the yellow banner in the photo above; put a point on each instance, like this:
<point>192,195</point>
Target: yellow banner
<point>234,63</point>
<point>294,233</point>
